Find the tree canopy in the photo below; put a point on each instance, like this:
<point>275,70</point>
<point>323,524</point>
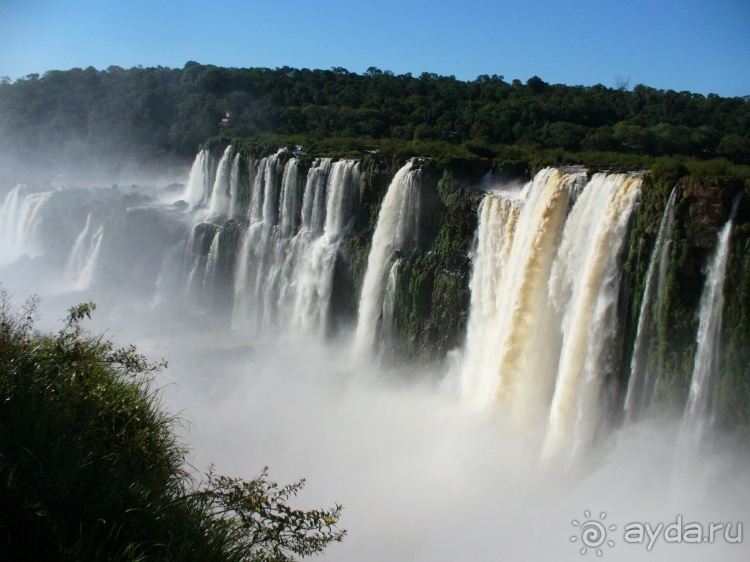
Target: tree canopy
<point>91,468</point>
<point>152,112</point>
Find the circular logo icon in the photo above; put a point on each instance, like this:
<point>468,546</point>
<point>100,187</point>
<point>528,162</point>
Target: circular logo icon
<point>592,533</point>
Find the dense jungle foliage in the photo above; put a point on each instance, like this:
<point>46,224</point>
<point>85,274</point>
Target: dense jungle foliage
<point>91,468</point>
<point>148,113</point>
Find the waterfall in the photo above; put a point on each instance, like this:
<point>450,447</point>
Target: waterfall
<point>203,237</point>
<point>342,201</point>
<point>510,347</point>
<point>640,384</point>
<point>289,200</point>
<point>86,277</point>
<point>397,230</point>
<point>219,202</point>
<point>234,186</point>
<point>544,288</point>
<point>313,203</point>
<point>584,286</point>
<point>80,251</point>
<point>696,419</point>
<point>196,189</point>
<point>209,277</point>
<point>325,222</point>
<point>389,303</point>
<point>284,271</point>
<point>19,219</point>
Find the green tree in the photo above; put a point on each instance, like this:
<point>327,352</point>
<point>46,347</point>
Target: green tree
<point>91,469</point>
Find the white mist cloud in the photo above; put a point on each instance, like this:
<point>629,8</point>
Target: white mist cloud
<point>421,476</point>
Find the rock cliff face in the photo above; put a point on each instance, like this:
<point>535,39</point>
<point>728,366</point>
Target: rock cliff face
<point>709,206</point>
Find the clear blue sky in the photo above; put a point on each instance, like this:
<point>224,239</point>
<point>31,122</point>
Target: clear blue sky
<point>697,45</point>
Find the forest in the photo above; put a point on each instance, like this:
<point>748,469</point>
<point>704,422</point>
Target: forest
<point>153,113</point>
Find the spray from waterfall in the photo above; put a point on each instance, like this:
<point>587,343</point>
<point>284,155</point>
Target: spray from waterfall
<point>641,382</point>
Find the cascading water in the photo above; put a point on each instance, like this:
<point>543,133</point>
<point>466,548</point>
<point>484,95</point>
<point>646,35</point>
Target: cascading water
<point>220,201</point>
<point>641,382</point>
<point>332,200</point>
<point>284,273</point>
<point>18,223</point>
<point>79,252</point>
<point>511,349</point>
<point>81,264</point>
<point>234,186</point>
<point>389,303</point>
<point>252,304</point>
<point>584,286</point>
<point>697,419</point>
<point>197,189</point>
<point>544,290</point>
<point>88,270</point>
<point>397,230</point>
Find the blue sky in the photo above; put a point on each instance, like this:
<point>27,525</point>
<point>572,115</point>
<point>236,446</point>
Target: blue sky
<point>697,45</point>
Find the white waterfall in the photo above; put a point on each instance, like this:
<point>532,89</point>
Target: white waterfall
<point>584,287</point>
<point>330,202</point>
<point>209,277</point>
<point>696,418</point>
<point>396,230</point>
<point>19,220</point>
<point>219,203</point>
<point>284,271</point>
<point>197,188</point>
<point>80,251</point>
<point>641,380</point>
<point>389,302</point>
<point>88,270</point>
<point>543,299</point>
<point>234,186</point>
<point>513,342</point>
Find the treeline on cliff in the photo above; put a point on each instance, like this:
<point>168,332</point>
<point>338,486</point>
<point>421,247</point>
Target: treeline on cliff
<point>154,112</point>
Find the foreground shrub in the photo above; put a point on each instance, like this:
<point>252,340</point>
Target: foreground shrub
<point>90,468</point>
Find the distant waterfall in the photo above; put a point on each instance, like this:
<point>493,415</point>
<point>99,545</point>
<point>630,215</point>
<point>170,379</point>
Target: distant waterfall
<point>18,223</point>
<point>80,250</point>
<point>197,189</point>
<point>316,247</point>
<point>544,289</point>
<point>82,261</point>
<point>389,303</point>
<point>284,271</point>
<point>641,382</point>
<point>88,269</point>
<point>197,249</point>
<point>220,201</point>
<point>234,186</point>
<point>397,230</point>
<point>696,418</point>
<point>255,264</point>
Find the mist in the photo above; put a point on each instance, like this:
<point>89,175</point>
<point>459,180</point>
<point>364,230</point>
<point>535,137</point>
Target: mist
<point>422,472</point>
